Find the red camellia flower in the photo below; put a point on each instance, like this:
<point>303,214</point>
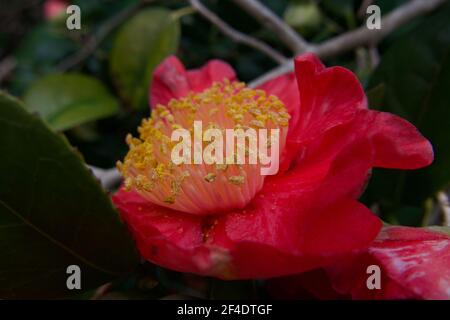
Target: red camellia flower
<point>414,264</point>
<point>230,221</point>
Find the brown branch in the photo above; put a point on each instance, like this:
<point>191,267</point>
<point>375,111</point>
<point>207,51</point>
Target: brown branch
<point>365,36</point>
<point>104,31</point>
<point>362,36</point>
<point>236,35</point>
<point>272,22</point>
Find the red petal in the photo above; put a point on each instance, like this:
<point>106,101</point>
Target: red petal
<point>213,71</point>
<point>300,218</point>
<point>172,81</point>
<point>332,97</point>
<point>414,264</point>
<point>421,265</point>
<point>290,239</point>
<point>329,97</point>
<point>326,91</point>
<point>169,81</point>
<point>371,139</point>
<point>394,142</point>
<point>397,143</point>
<point>288,223</point>
<point>168,238</point>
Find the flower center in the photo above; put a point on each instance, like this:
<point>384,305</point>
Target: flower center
<point>210,186</point>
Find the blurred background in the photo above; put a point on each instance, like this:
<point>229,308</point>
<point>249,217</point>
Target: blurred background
<point>92,84</point>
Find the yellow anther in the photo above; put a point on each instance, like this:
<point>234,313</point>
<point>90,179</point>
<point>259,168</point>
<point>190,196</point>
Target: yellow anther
<point>236,180</point>
<point>170,199</point>
<point>210,177</point>
<point>128,183</point>
<point>257,123</point>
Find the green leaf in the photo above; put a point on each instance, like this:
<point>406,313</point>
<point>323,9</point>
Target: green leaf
<point>141,44</point>
<point>415,72</point>
<point>53,213</point>
<point>67,100</point>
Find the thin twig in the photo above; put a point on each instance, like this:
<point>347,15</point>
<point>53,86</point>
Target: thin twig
<point>278,71</point>
<point>109,178</point>
<point>444,206</point>
<point>272,22</point>
<point>236,35</point>
<point>104,31</point>
<point>362,36</point>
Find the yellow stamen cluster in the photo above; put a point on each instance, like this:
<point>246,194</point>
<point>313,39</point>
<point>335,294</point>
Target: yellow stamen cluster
<point>148,168</point>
